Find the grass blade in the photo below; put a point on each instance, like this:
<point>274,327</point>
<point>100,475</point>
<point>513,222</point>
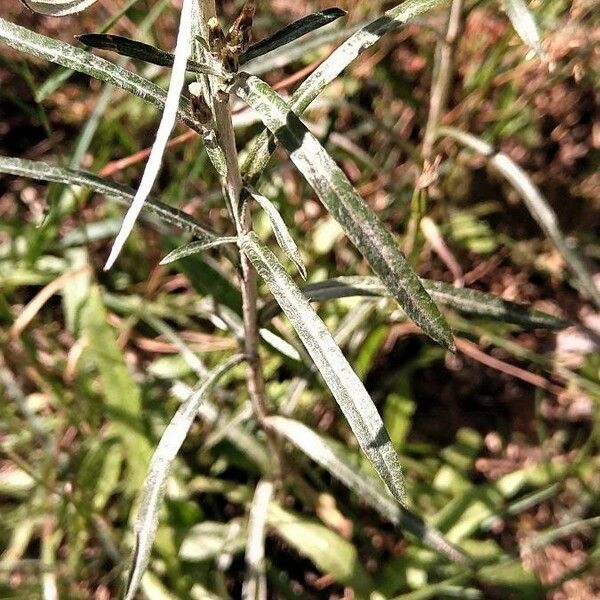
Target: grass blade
<point>167,122</point>
<point>346,387</point>
<point>41,46</point>
<point>282,234</point>
<point>255,584</point>
<point>292,32</point>
<point>139,50</point>
<point>358,220</point>
<point>535,202</point>
<point>158,472</point>
<point>57,8</point>
<point>195,248</point>
<point>333,66</point>
<point>121,193</point>
<point>122,395</point>
<point>323,453</point>
<point>463,300</point>
<point>524,23</point>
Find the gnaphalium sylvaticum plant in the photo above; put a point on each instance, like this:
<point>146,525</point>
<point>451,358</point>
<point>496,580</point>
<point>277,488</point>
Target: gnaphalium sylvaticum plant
<point>215,57</point>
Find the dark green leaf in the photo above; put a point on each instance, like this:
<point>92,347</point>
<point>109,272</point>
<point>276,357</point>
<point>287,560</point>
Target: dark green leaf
<point>292,32</point>
<point>134,49</point>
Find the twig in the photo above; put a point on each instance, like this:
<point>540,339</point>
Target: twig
<point>442,74</point>
<point>472,351</point>
<point>233,187</point>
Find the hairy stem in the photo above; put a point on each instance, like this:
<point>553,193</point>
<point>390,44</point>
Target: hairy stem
<point>233,187</point>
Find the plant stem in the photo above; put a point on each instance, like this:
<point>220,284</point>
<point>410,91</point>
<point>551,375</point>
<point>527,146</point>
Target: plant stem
<point>233,187</point>
<point>442,74</point>
<point>440,84</point>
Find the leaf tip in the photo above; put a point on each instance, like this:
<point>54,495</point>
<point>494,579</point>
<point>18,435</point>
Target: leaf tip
<point>335,12</point>
<point>442,334</point>
<point>116,249</point>
<point>445,337</point>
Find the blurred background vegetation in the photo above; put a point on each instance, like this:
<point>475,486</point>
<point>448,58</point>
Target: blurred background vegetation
<point>499,441</point>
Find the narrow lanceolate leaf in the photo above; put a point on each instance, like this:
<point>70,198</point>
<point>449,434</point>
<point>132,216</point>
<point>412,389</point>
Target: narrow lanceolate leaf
<point>121,193</point>
<point>167,122</point>
<point>358,220</point>
<point>292,32</point>
<point>57,8</point>
<point>333,66</point>
<point>354,46</point>
<point>195,248</point>
<point>282,234</point>
<point>324,453</point>
<point>80,60</point>
<point>158,472</point>
<point>536,204</point>
<point>524,23</point>
<point>255,581</point>
<point>346,387</point>
<point>134,49</point>
<point>464,300</point>
<point>480,304</point>
<point>151,54</point>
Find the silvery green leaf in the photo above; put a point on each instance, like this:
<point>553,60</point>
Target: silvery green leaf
<point>77,59</point>
<point>325,454</point>
<point>57,8</point>
<point>346,387</point>
<point>358,220</point>
<point>156,479</point>
<point>330,68</point>
<point>536,204</point>
<point>464,300</point>
<point>195,248</point>
<point>524,23</point>
<point>282,234</point>
<point>121,193</point>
